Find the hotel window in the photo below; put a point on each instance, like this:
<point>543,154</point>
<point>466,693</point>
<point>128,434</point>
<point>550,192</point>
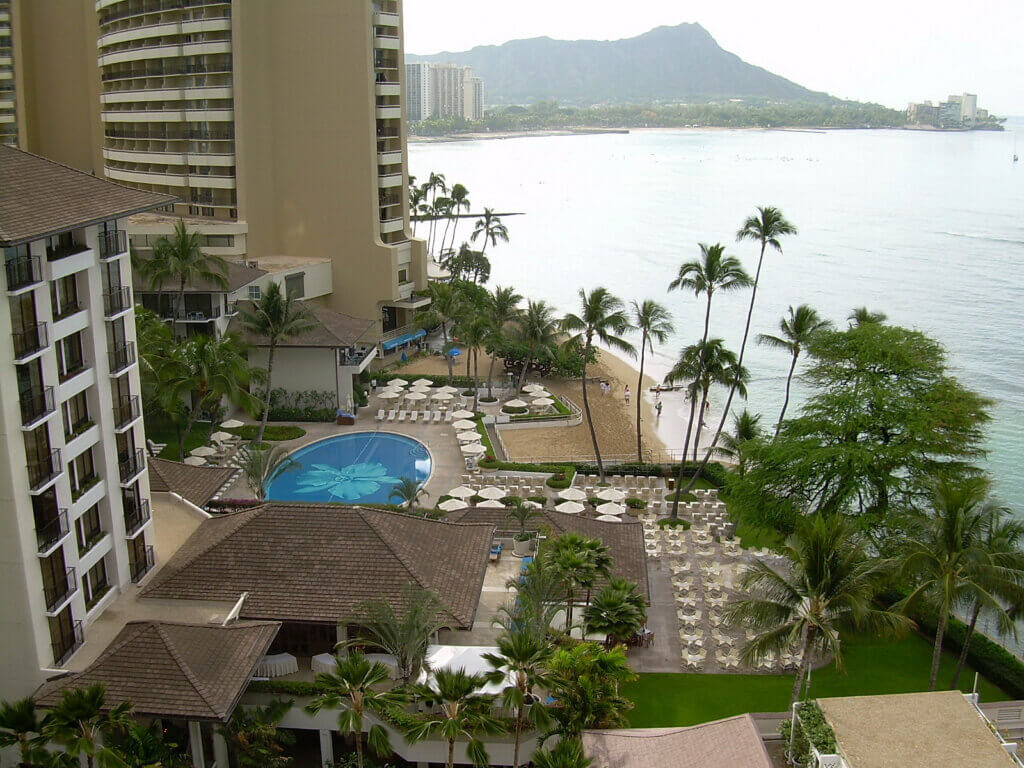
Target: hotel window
<point>76,416</point>
<point>295,285</point>
<point>83,474</point>
<point>403,275</point>
<point>254,293</point>
<point>88,529</point>
<point>70,359</point>
<point>64,297</point>
<point>95,583</point>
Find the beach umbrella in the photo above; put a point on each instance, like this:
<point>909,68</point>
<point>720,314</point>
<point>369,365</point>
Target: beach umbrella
<point>611,494</point>
<point>231,424</point>
<point>608,518</point>
<point>194,461</point>
<point>448,388</point>
<point>463,414</point>
<point>517,403</point>
<point>422,383</point>
<point>532,388</point>
<point>415,396</point>
<point>609,508</point>
<point>220,437</point>
<point>491,504</point>
<point>462,424</point>
<point>441,396</point>
<point>398,383</point>
<point>203,450</point>
<point>469,436</point>
<point>450,505</point>
<point>390,394</point>
<point>454,352</point>
<point>572,494</point>
<point>462,492</point>
<point>490,492</point>
<point>532,504</point>
<point>570,507</point>
<point>544,402</point>
<point>473,449</point>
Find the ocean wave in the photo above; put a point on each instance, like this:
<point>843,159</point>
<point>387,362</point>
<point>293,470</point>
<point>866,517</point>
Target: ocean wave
<point>982,236</point>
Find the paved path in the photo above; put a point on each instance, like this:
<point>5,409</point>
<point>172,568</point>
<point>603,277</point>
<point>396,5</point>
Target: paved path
<point>664,654</point>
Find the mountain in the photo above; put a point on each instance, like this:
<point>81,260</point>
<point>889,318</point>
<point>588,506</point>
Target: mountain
<point>682,63</point>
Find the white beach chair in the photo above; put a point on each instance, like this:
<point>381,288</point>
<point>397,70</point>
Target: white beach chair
<point>403,415</point>
<point>380,415</point>
<point>447,417</point>
<point>437,417</point>
<point>391,415</point>
<point>413,416</point>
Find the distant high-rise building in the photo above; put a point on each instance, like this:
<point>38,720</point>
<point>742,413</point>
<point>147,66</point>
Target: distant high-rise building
<point>474,98</point>
<point>442,90</point>
<point>449,93</point>
<point>418,91</point>
<point>968,108</point>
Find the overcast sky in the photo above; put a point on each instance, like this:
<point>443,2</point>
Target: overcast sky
<point>889,51</point>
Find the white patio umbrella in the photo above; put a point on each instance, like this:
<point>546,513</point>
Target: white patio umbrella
<point>422,383</point>
<point>570,507</point>
<point>194,461</point>
<point>231,424</point>
<point>463,414</point>
<point>462,492</point>
<point>442,396</point>
<point>220,437</point>
<point>448,388</point>
<point>490,492</point>
<point>469,436</point>
<point>609,508</point>
<point>473,449</point>
<point>415,396</point>
<point>462,424</point>
<point>532,388</point>
<point>611,494</point>
<point>572,494</point>
<point>608,518</point>
<point>398,382</point>
<point>543,402</point>
<point>491,504</point>
<point>450,505</point>
<point>390,394</point>
<point>517,403</point>
<point>532,504</point>
<point>203,450</point>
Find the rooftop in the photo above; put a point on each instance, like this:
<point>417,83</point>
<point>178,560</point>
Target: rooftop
<point>925,730</point>
<point>194,484</point>
<point>238,275</point>
<point>39,197</point>
<point>333,329</point>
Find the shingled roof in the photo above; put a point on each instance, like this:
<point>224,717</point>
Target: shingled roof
<point>175,670</point>
<point>194,484</point>
<point>319,562</point>
<point>332,329</point>
<point>624,540</point>
<point>39,197</point>
<point>734,742</point>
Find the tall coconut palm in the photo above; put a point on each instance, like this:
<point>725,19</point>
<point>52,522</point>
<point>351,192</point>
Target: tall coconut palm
<point>354,687</point>
<point>521,663</point>
<point>537,330</point>
<point>745,427</point>
<point>254,735</point>
<point>21,726</point>
<point>945,556</point>
<point>489,227</point>
<point>408,492</point>
<point>434,186</point>
<point>567,753</point>
<point>474,331</point>
<point>261,465</point>
<point>459,196</point>
<point>863,316</point>
<point>84,725</point>
<point>719,367</point>
<point>827,589</point>
<point>458,710</point>
<point>446,306</point>
<point>275,318</point>
<point>768,226</point>
<point>539,591</point>
<point>441,209</point>
<point>502,310</point>
<point>179,260</point>
<point>795,332</point>
<point>655,325</point>
<point>603,319</point>
<point>417,196</point>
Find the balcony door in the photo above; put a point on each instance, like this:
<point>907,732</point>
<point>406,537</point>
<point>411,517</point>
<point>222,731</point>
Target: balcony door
<point>55,576</point>
<point>62,634</point>
<point>30,379</point>
<point>37,454</point>
<point>116,334</point>
<point>23,312</point>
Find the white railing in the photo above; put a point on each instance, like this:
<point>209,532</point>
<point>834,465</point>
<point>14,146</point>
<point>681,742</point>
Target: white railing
<point>1010,747</point>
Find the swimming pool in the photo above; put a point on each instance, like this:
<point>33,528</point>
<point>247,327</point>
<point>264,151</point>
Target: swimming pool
<point>357,467</point>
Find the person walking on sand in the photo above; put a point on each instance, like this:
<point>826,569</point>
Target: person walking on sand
<point>657,407</point>
<point>626,394</point>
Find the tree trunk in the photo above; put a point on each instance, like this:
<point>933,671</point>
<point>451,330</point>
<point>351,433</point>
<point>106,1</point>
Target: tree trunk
<point>682,462</point>
<point>518,731</point>
<point>451,753</point>
<point>805,659</point>
<point>476,380</point>
<point>359,748</point>
<point>266,400</point>
<point>639,392</point>
<point>785,402</point>
<point>967,643</point>
<point>181,305</point>
<point>736,379</point>
<point>700,423</point>
<point>192,417</point>
<point>444,350</point>
<point>568,613</point>
<point>490,378</point>
<point>522,373</point>
<point>937,650</point>
<point>586,407</point>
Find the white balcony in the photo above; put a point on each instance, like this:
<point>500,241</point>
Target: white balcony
<point>390,180</point>
<point>386,42</point>
<point>393,157</point>
<point>389,113</point>
<point>391,225</point>
<point>388,89</point>
<point>382,19</point>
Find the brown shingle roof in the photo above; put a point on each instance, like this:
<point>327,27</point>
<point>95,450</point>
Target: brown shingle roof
<point>196,484</point>
<point>730,743</point>
<point>625,540</point>
<point>167,669</point>
<point>333,329</point>
<point>39,197</point>
<point>319,562</point>
<point>237,275</point>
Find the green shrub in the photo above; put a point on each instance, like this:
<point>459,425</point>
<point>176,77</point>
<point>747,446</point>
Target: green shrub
<point>514,409</point>
<point>714,472</point>
<point>634,503</point>
<point>594,501</point>
<point>667,522</point>
<point>542,500</point>
<point>511,501</point>
<point>286,687</point>
<point>273,432</point>
<point>811,728</point>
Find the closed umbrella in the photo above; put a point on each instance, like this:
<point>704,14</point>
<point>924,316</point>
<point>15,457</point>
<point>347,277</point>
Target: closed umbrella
<point>203,450</point>
<point>442,396</point>
<point>490,492</point>
<point>473,449</point>
<point>231,424</point>
<point>398,382</point>
<point>468,437</point>
<point>464,424</point>
<point>516,403</point>
<point>422,383</point>
<point>611,494</point>
<point>194,461</point>
<point>463,414</point>
<point>450,505</point>
<point>570,507</point>
<point>608,519</point>
<point>462,492</point>
<point>609,508</point>
<point>491,504</point>
<point>220,437</point>
<point>572,494</point>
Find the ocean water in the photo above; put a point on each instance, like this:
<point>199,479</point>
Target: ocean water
<point>926,227</point>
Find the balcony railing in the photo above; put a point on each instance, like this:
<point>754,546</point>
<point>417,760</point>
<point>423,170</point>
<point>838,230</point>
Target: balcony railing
<point>112,244</point>
<point>122,357</point>
<point>30,340</point>
<point>117,301</point>
<point>35,403</point>
<point>23,271</point>
<point>62,251</point>
<point>56,594</point>
<point>53,531</point>
<point>131,465</point>
<point>135,516</point>
<point>140,567</point>
<point>126,410</point>
<point>42,471</point>
<point>62,651</point>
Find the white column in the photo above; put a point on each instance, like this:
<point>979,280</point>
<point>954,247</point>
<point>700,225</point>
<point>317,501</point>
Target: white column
<point>326,748</point>
<point>342,637</point>
<point>195,741</point>
<point>220,750</point>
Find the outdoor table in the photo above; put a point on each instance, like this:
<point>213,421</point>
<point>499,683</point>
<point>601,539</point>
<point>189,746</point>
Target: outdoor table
<point>277,665</point>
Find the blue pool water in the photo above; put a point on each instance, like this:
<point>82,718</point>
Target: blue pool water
<point>361,466</point>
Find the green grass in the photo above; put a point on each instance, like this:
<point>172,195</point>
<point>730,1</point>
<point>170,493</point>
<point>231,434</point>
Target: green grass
<point>872,666</point>
<point>160,431</point>
<point>273,432</point>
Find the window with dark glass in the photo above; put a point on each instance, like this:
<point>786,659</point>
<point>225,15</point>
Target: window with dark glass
<point>64,297</point>
<point>83,473</point>
<point>95,583</point>
<point>38,455</point>
<point>64,634</point>
<point>295,285</point>
<point>88,529</point>
<point>55,579</point>
<point>70,358</point>
<point>76,415</point>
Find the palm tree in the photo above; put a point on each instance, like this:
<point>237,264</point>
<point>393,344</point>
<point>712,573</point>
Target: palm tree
<point>655,325</point>
<point>603,319</point>
<point>84,725</point>
<point>539,593</point>
<point>255,738</point>
<point>767,226</point>
<point>434,184</point>
<point>261,465</point>
<point>490,227</point>
<point>458,710</point>
<point>520,663</point>
<point>718,367</point>
<point>146,746</point>
<point>474,332</point>
<point>864,316</point>
<point>828,588</point>
<point>354,688</point>
<point>568,753</point>
<point>579,562</point>
<point>459,196</point>
<point>795,333</point>
<point>20,725</point>
<point>745,427</point>
<point>444,310</point>
<point>537,330</point>
<point>502,309</point>
<point>441,209</point>
<point>946,556</point>
<point>180,260</point>
<point>618,612</point>
<point>417,196</point>
<point>275,318</point>
<point>408,492</point>
<point>584,679</point>
<point>522,514</point>
<point>403,632</point>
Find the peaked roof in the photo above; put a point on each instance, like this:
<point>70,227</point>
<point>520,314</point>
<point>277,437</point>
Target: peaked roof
<point>319,562</point>
<point>332,329</point>
<point>195,484</point>
<point>237,275</point>
<point>39,197</point>
<point>733,742</point>
<point>625,540</point>
<point>167,669</point>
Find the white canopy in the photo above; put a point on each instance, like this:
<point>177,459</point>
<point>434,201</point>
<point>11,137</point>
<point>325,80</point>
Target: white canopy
<point>390,394</point>
<point>470,436</point>
<point>532,388</point>
<point>203,450</point>
<point>473,449</point>
<point>611,494</point>
<point>467,657</point>
<point>464,424</point>
<point>570,507</point>
<point>450,505</point>
<point>463,414</point>
<point>462,492</point>
<point>490,492</point>
<point>517,403</point>
<point>415,396</point>
<point>231,424</point>
<point>448,389</point>
<point>572,494</point>
<point>532,504</point>
<point>220,437</point>
<point>543,402</point>
<point>608,518</point>
<point>194,461</point>
<point>398,382</point>
<point>491,504</point>
<point>422,383</point>
<point>609,508</point>
<point>441,396</point>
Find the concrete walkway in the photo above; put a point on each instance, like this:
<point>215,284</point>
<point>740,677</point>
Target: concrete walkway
<point>664,653</point>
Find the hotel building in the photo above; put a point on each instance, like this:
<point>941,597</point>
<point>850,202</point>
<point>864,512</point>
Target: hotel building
<point>74,498</point>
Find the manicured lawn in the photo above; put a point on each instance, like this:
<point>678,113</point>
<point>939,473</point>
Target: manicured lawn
<point>273,432</point>
<point>160,431</point>
<point>871,666</point>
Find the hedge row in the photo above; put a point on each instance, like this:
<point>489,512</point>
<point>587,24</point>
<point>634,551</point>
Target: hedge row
<point>714,472</point>
<point>383,377</point>
<point>302,414</point>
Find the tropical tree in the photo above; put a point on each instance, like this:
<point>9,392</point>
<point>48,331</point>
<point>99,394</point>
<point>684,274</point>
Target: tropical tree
<point>84,725</point>
<point>578,562</point>
<point>745,427</point>
<point>255,738</point>
<point>585,681</point>
<point>21,726</point>
<point>474,332</point>
<point>828,588</point>
<point>434,186</point>
<point>522,514</point>
<point>863,316</point>
<point>261,465</point>
<point>768,226</point>
<point>655,325</point>
<point>354,688</point>
<point>404,631</point>
<point>718,367</point>
<point>147,746</point>
<point>275,318</point>
<point>408,492</point>
<point>489,227</point>
<point>501,311</point>
<point>444,310</point>
<point>417,196</point>
<point>458,711</point>
<point>539,593</point>
<point>459,196</point>
<point>537,331</point>
<point>441,209</point>
<point>617,611</point>
<point>179,260</point>
<point>796,330</point>
<point>521,663</point>
<point>568,753</point>
<point>601,318</point>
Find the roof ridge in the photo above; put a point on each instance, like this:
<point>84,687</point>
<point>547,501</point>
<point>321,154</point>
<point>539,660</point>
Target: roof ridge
<point>418,577</point>
<point>186,670</point>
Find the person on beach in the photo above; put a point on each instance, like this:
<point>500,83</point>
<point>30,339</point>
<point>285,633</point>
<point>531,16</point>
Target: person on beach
<point>657,407</point>
<point>626,395</point>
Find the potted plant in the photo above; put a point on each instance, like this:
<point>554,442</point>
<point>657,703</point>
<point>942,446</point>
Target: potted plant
<point>523,541</point>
